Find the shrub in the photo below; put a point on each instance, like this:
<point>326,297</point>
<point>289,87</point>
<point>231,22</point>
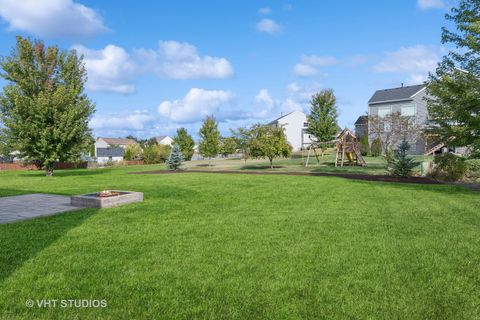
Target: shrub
<point>364,146</point>
<point>473,170</point>
<point>400,164</point>
<point>133,152</point>
<point>376,148</point>
<point>449,167</point>
<point>156,153</point>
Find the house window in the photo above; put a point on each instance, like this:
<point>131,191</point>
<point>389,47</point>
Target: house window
<point>305,124</point>
<point>384,111</point>
<point>408,110</point>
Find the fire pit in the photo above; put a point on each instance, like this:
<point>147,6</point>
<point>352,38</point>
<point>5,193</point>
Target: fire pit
<point>106,199</point>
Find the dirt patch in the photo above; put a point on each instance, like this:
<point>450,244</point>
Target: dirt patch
<point>354,176</point>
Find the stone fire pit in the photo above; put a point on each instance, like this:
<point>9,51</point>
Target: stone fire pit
<point>106,199</point>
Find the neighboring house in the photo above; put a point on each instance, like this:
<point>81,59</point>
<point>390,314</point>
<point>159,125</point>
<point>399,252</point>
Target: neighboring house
<point>107,148</point>
<point>294,124</point>
<point>361,126</point>
<point>112,154</point>
<point>409,101</point>
<point>165,140</point>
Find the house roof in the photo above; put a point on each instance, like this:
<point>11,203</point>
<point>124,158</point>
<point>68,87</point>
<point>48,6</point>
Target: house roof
<point>110,152</point>
<point>395,94</point>
<point>281,117</point>
<point>361,120</point>
<point>119,141</point>
<point>160,138</point>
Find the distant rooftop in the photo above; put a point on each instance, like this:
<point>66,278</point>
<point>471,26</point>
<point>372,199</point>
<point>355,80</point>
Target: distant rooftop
<point>110,152</point>
<point>118,141</point>
<point>395,94</point>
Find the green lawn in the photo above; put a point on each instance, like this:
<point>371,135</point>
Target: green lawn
<point>206,246</point>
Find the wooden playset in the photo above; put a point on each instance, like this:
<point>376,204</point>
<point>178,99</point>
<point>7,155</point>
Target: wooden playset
<point>348,149</point>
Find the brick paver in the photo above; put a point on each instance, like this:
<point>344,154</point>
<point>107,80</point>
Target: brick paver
<point>34,205</point>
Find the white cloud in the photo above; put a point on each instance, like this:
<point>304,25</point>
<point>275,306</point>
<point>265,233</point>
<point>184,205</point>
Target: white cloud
<point>109,69</point>
<point>310,65</point>
<point>181,60</point>
<point>51,18</point>
<point>268,26</point>
<point>431,4</point>
<point>415,62</point>
<point>265,11</point>
<point>263,97</point>
<point>196,104</point>
<point>137,121</point>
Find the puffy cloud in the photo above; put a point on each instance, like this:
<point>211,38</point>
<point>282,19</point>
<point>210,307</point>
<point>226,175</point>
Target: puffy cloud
<point>181,60</point>
<point>268,26</point>
<point>137,121</point>
<point>196,104</point>
<point>310,65</point>
<point>51,18</point>
<point>264,11</point>
<point>263,97</point>
<point>109,69</point>
<point>431,4</point>
<point>415,62</point>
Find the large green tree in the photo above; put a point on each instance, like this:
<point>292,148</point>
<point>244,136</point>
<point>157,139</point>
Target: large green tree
<point>454,106</point>
<point>322,120</point>
<point>43,107</point>
<point>185,142</point>
<point>268,142</point>
<point>210,140</point>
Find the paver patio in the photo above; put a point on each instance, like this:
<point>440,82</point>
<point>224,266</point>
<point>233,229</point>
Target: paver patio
<point>15,208</point>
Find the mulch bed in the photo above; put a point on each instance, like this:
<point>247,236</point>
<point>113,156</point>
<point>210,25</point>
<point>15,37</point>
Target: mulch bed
<point>354,176</point>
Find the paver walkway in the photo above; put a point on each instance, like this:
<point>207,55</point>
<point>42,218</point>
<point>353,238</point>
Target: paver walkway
<point>34,205</point>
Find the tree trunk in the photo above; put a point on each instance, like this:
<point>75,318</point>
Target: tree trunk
<point>271,163</point>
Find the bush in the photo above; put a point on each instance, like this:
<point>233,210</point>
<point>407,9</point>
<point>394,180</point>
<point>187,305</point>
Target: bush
<point>473,170</point>
<point>364,146</point>
<point>449,167</point>
<point>133,152</point>
<point>156,153</point>
<point>376,148</point>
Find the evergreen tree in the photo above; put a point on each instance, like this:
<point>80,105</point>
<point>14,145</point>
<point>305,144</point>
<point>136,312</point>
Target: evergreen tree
<point>185,142</point>
<point>43,107</point>
<point>364,146</point>
<point>322,120</point>
<point>210,138</point>
<point>454,109</point>
<point>400,164</point>
<point>175,159</point>
<point>376,148</point>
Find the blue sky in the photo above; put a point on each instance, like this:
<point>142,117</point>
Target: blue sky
<point>155,66</point>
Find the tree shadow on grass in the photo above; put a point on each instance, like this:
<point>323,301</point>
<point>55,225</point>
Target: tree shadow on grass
<point>23,240</point>
<point>66,173</point>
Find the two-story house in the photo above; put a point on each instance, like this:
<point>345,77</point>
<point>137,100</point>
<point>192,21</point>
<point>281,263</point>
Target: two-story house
<point>111,149</point>
<point>294,125</point>
<point>408,101</point>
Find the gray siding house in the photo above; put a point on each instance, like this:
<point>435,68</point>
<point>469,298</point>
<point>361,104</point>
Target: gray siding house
<point>409,101</point>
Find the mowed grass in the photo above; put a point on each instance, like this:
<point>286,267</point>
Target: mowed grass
<point>206,246</point>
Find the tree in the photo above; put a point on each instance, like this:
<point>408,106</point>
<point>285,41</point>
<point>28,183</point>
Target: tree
<point>210,138</point>
<point>185,142</point>
<point>133,152</point>
<point>392,129</point>
<point>43,107</point>
<point>175,159</point>
<point>322,120</point>
<point>454,106</point>
<point>376,147</point>
<point>229,146</point>
<point>242,138</point>
<point>400,164</point>
<point>268,142</point>
<point>364,146</point>
<point>156,153</point>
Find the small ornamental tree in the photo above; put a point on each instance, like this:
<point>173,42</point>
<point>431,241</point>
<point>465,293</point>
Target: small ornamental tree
<point>242,140</point>
<point>175,159</point>
<point>364,146</point>
<point>185,142</point>
<point>400,164</point>
<point>269,142</point>
<point>44,110</point>
<point>376,148</point>
<point>209,138</point>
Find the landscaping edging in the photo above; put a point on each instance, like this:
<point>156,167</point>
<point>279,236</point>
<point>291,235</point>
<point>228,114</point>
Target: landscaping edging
<point>354,176</point>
